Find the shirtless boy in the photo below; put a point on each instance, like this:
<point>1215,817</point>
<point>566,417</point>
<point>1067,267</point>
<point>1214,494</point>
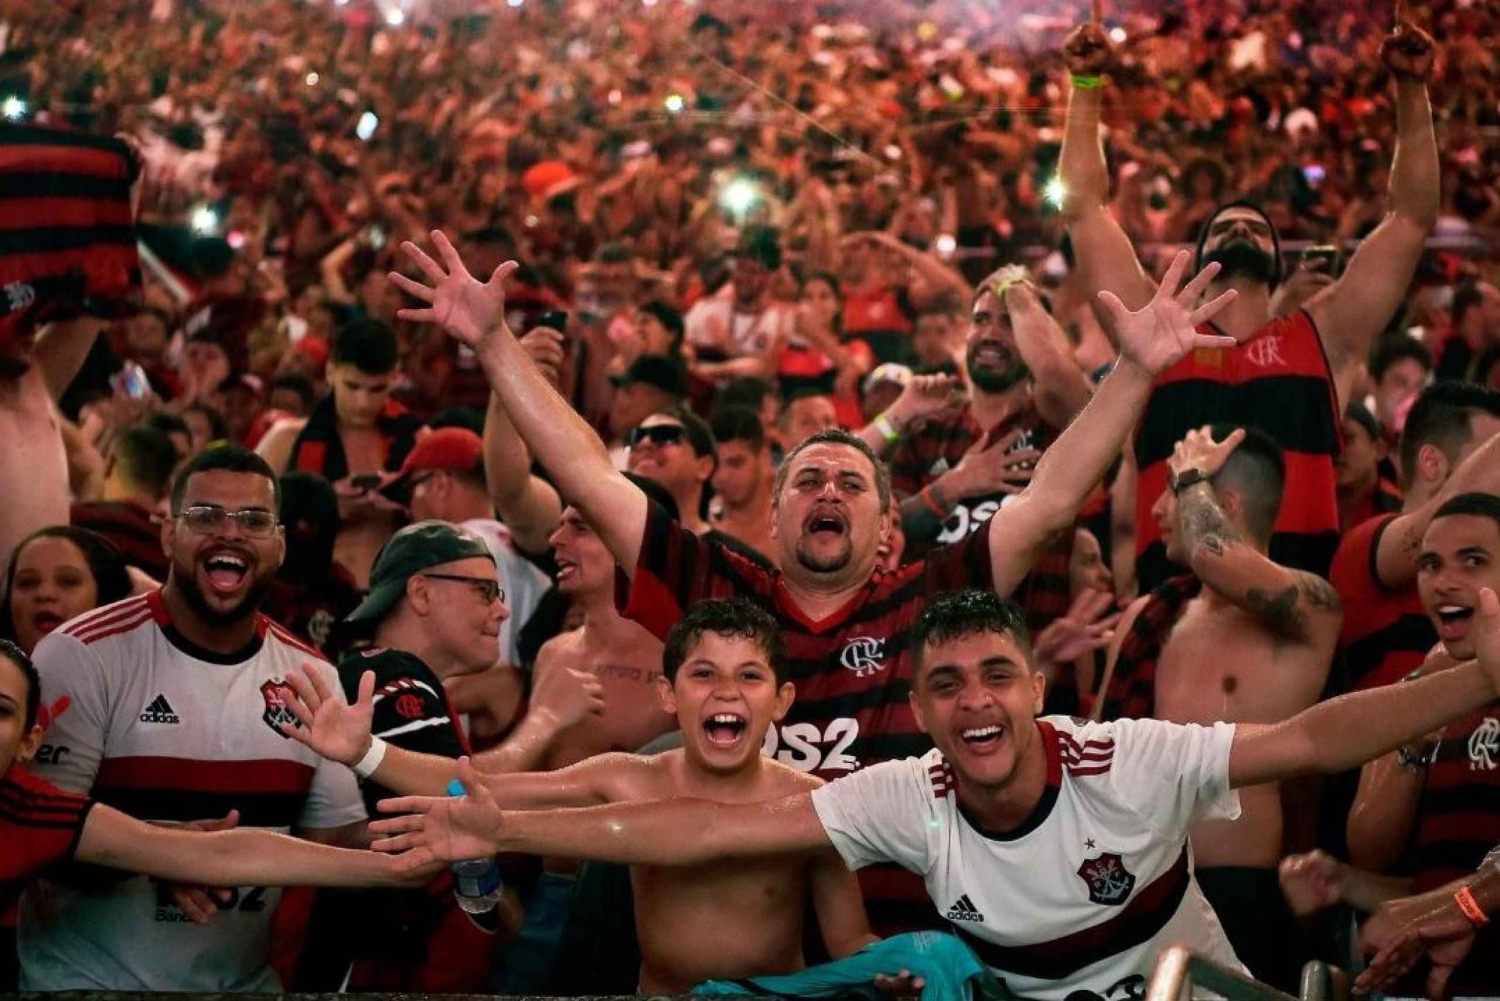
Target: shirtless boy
<point>1240,639</point>
<point>725,669</point>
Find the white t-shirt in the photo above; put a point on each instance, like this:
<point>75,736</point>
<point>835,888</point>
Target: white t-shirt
<point>524,584</point>
<point>1085,894</point>
<point>166,732</point>
<point>749,334</point>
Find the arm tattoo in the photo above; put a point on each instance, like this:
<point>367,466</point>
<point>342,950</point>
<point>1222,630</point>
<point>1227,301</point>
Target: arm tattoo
<point>1204,523</point>
<point>1319,594</point>
<point>1285,611</point>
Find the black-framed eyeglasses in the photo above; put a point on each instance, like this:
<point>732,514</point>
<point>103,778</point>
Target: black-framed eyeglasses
<point>657,434</point>
<point>488,587</point>
<point>253,522</point>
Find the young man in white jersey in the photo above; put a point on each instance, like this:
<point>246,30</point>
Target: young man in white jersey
<point>171,710</point>
<point>1057,848</point>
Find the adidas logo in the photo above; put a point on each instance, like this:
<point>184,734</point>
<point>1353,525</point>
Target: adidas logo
<point>160,711</point>
<point>964,910</point>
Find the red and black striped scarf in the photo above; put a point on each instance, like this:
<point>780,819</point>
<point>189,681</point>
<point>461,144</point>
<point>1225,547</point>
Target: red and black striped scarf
<point>1132,687</point>
<point>67,237</point>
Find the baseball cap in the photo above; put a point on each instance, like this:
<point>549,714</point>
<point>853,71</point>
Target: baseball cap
<point>660,371</point>
<point>455,449</point>
<point>410,551</point>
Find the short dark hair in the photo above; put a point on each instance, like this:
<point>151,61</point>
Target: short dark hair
<point>167,424</point>
<point>368,345</point>
<point>1441,417</point>
<point>837,436</point>
<point>736,423</point>
<point>957,614</point>
<point>106,565</point>
<point>729,617</point>
<point>18,657</point>
<point>230,459</point>
<point>1256,470</point>
<point>748,391</point>
<point>146,458</point>
<point>699,435</point>
<point>217,428</point>
<point>1475,504</point>
<point>1393,349</point>
<point>298,384</point>
<point>1360,414</point>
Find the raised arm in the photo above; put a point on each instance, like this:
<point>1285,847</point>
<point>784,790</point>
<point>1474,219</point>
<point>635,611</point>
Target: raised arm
<point>473,313</point>
<point>1151,340</point>
<point>1351,313</point>
<point>1104,254</point>
<point>528,504</point>
<point>1296,606</point>
<point>1347,731</point>
<point>664,832</point>
<point>1401,542</point>
<point>61,349</point>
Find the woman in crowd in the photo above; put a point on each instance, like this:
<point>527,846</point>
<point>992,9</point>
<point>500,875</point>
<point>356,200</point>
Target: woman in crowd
<point>58,573</point>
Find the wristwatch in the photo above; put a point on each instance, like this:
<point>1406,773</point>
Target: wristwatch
<point>1188,478</point>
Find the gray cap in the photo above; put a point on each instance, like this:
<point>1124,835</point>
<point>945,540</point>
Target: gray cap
<point>410,551</point>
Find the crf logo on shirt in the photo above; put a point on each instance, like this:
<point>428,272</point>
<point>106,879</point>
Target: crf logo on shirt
<point>408,706</point>
<point>1265,351</point>
<point>864,655</point>
<point>277,716</point>
<point>1108,880</point>
<point>1484,745</point>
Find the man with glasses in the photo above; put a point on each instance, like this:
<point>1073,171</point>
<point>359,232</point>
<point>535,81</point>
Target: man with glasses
<point>171,708</point>
<point>676,449</point>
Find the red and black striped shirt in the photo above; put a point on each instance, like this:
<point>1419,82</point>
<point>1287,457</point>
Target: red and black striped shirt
<point>66,230</point>
<point>131,528</point>
<point>932,447</point>
<point>39,825</point>
<point>1278,381</point>
<point>1386,634</point>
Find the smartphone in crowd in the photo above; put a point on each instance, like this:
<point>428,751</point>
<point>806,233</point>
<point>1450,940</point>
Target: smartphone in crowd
<point>132,381</point>
<point>1332,257</point>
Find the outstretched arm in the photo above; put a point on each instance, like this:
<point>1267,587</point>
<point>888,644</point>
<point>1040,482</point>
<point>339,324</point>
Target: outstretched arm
<point>1351,313</point>
<point>1151,341</point>
<point>233,858</point>
<point>473,313</point>
<point>340,732</point>
<point>1344,732</point>
<point>664,832</point>
<point>1061,390</point>
<point>1104,254</point>
<point>1296,606</point>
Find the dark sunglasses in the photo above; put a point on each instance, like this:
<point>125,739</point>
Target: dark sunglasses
<point>657,434</point>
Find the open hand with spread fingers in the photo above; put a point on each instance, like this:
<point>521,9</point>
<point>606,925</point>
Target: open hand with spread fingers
<point>457,301</point>
<point>441,828</point>
<point>1157,336</point>
<point>330,726</point>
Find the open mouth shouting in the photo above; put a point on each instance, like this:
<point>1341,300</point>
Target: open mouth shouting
<point>828,523</point>
<point>566,569</point>
<point>224,572</point>
<point>1454,620</point>
<point>725,729</point>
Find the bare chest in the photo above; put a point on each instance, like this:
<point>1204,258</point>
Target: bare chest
<point>31,453</point>
<point>364,451</point>
<point>1218,664</point>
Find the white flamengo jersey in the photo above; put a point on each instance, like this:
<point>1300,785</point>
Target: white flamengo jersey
<point>1079,900</point>
<point>144,721</point>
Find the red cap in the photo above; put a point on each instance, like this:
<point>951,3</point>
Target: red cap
<point>452,449</point>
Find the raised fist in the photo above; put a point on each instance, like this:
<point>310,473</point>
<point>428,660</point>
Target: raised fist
<point>1408,52</point>
<point>1087,51</point>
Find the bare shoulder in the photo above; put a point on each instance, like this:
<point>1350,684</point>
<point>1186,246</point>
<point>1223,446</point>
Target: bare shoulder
<point>785,780</point>
<point>276,445</point>
<point>559,648</point>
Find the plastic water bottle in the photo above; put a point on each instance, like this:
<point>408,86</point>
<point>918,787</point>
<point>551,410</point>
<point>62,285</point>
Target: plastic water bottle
<point>476,882</point>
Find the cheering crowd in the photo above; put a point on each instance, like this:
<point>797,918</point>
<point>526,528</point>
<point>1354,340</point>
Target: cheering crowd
<point>587,496</point>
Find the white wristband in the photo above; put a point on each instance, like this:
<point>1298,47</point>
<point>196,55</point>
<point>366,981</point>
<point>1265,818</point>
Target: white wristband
<point>365,767</point>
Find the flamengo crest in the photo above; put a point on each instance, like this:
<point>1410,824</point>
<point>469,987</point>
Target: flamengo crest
<point>1108,880</point>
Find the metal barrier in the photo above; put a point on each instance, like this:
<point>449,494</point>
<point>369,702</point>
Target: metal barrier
<point>1179,967</point>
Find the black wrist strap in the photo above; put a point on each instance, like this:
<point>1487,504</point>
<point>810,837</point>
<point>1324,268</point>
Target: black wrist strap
<point>1188,478</point>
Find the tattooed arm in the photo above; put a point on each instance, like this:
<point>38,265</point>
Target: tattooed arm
<point>1295,606</point>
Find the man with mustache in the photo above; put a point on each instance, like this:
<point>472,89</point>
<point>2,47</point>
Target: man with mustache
<point>846,624</point>
<point>171,710</point>
<point>1291,376</point>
